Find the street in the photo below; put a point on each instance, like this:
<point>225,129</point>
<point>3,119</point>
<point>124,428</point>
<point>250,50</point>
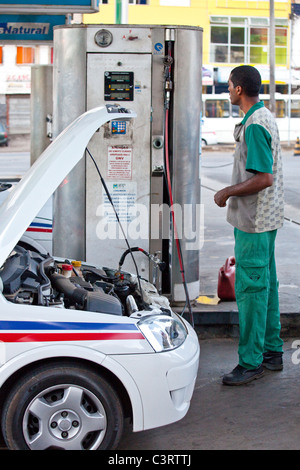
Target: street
<point>14,164</point>
<point>216,168</point>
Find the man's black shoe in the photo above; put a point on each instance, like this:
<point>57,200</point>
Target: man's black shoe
<point>272,360</point>
<point>240,375</point>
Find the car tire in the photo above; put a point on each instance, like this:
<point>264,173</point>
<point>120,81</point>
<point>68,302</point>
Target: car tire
<point>62,406</point>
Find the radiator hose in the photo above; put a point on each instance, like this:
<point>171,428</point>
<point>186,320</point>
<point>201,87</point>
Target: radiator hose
<point>92,301</point>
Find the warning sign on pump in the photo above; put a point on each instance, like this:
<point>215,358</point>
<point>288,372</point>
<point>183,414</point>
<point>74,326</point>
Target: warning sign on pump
<point>119,165</point>
<point>124,196</point>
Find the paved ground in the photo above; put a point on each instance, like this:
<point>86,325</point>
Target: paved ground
<point>263,415</point>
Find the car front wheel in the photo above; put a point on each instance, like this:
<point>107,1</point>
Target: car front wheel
<point>62,406</point>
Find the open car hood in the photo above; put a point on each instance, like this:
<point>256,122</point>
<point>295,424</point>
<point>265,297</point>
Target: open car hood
<point>46,174</point>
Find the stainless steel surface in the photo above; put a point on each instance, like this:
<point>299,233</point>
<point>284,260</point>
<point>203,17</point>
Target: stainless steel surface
<point>185,149</point>
<point>41,106</point>
<point>69,102</point>
<point>79,85</point>
<point>136,144</point>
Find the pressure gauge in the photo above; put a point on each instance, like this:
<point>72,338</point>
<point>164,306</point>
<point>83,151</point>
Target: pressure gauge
<point>103,38</point>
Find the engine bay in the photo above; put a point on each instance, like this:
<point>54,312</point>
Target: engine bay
<point>28,277</point>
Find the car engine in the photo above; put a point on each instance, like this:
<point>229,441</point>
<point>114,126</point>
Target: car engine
<point>28,277</point>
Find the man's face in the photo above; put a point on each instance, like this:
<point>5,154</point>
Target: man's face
<point>234,93</point>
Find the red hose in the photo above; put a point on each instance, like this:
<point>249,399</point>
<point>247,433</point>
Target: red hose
<point>170,193</point>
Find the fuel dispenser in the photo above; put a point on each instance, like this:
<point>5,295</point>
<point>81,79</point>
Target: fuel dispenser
<point>149,164</point>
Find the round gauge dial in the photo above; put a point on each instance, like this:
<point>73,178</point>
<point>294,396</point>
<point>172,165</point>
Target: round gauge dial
<point>103,38</point>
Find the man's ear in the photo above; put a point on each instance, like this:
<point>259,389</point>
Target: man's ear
<point>238,89</point>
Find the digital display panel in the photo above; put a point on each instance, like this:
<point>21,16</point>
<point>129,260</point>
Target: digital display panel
<point>118,86</point>
<point>120,96</point>
<point>119,77</point>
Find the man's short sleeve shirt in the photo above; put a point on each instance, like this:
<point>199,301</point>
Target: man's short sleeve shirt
<point>257,150</point>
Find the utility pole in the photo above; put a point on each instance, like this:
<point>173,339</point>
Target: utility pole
<point>272,59</point>
<point>121,11</point>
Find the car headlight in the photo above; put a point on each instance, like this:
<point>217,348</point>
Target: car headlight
<point>163,332</point>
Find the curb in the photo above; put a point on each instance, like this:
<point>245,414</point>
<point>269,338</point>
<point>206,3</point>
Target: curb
<point>224,324</point>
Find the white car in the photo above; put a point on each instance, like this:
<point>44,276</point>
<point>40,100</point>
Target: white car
<point>79,354</point>
<point>208,137</point>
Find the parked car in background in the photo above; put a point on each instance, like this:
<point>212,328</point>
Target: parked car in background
<point>208,137</point>
<point>3,135</point>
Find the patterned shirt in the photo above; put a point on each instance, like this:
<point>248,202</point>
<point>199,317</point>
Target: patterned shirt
<point>257,150</point>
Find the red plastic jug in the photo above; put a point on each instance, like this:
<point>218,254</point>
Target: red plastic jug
<point>226,280</point>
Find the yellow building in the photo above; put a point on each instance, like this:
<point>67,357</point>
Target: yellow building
<point>234,31</point>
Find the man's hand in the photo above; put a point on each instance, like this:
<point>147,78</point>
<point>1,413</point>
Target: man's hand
<point>253,185</point>
<point>221,197</point>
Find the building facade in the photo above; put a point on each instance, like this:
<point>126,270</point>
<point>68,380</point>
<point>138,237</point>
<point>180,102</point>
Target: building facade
<point>15,82</point>
<point>234,32</point>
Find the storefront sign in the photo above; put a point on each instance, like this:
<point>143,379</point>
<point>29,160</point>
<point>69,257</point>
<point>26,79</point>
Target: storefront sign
<point>22,29</point>
<point>15,79</point>
<point>29,27</point>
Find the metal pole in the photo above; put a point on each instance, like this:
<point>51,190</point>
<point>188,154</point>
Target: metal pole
<point>272,59</point>
<point>290,78</point>
<point>118,11</point>
<point>124,18</point>
<point>41,107</point>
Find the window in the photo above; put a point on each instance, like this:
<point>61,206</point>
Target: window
<point>246,40</point>
<point>280,107</point>
<point>281,46</point>
<point>216,108</point>
<point>295,108</point>
<point>236,111</point>
<point>227,40</point>
<point>25,55</point>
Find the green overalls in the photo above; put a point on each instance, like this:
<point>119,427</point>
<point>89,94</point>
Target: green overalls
<point>256,219</point>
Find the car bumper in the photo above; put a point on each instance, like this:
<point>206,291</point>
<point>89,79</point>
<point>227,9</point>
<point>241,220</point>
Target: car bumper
<point>165,382</point>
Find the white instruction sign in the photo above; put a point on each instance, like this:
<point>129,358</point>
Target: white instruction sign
<point>119,165</point>
<point>124,196</point>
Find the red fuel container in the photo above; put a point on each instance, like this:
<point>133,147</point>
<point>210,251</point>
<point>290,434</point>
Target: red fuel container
<point>226,280</point>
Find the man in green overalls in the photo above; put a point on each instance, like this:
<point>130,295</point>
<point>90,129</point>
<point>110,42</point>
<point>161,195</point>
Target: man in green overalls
<point>255,209</point>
